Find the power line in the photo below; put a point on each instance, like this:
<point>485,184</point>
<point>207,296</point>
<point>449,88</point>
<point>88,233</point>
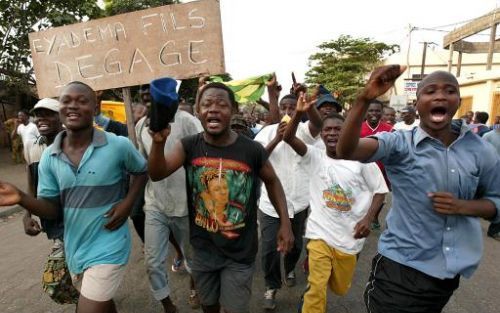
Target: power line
<point>431,29</point>
<point>442,30</point>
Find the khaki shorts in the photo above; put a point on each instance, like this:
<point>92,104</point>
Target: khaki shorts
<point>99,282</point>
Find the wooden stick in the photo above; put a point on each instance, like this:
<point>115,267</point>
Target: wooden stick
<point>127,99</point>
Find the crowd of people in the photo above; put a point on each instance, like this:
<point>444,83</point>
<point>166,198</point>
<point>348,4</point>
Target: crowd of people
<point>306,174</point>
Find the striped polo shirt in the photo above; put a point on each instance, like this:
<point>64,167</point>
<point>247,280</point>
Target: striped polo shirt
<point>86,193</point>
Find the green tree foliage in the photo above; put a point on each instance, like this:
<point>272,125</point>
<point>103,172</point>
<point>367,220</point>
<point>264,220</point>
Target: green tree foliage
<point>114,7</point>
<point>342,64</point>
<point>19,18</point>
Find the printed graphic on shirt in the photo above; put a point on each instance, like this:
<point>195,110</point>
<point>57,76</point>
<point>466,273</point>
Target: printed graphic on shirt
<point>221,190</point>
<point>337,198</point>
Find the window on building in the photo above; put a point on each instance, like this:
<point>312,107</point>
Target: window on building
<point>465,106</point>
<point>495,107</point>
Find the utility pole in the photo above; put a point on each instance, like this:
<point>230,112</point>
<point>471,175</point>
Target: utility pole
<point>422,68</point>
<point>410,29</point>
<point>424,54</point>
<point>450,59</point>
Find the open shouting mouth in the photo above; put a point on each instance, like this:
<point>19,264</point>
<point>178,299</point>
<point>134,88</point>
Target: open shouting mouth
<point>438,114</point>
<point>213,122</point>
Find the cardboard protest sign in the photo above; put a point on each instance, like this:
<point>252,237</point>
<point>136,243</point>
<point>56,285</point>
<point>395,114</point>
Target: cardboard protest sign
<point>180,41</point>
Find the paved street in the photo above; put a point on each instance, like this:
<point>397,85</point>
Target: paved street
<point>22,258</point>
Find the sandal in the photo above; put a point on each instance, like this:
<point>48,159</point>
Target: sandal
<point>177,265</point>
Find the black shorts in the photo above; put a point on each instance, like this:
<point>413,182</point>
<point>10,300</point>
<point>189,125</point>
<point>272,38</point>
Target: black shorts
<point>396,288</point>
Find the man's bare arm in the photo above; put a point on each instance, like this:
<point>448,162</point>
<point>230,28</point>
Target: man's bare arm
<point>277,197</point>
<point>161,166</point>
<point>273,90</point>
<point>446,203</point>
<point>11,195</point>
<point>350,146</point>
<point>290,133</point>
<point>362,228</point>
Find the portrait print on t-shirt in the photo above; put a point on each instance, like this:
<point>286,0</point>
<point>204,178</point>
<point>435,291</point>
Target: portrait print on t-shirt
<point>221,190</point>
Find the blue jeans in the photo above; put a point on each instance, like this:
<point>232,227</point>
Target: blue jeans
<point>157,230</point>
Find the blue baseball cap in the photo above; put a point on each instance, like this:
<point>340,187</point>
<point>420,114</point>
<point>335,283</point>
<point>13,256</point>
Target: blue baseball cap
<point>326,97</point>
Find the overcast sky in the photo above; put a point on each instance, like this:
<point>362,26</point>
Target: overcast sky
<point>262,36</point>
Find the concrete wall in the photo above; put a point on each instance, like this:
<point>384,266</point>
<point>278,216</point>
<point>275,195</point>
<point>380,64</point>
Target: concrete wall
<point>481,94</point>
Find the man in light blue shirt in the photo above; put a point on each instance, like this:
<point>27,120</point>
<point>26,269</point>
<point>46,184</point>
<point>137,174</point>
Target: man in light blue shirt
<point>444,178</point>
<point>83,175</point>
<point>87,193</point>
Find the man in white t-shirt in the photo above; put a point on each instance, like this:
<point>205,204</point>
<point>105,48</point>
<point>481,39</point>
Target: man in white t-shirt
<point>344,198</point>
<point>294,179</point>
<point>409,119</point>
<point>25,129</point>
